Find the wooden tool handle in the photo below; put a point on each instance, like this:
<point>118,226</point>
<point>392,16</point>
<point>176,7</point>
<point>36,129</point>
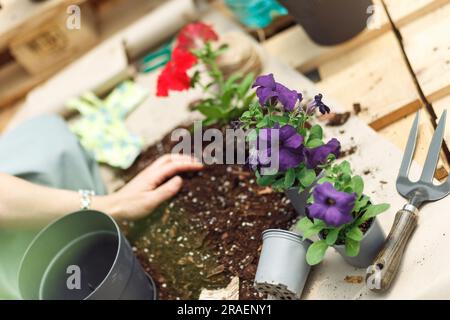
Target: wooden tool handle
<point>383,270</point>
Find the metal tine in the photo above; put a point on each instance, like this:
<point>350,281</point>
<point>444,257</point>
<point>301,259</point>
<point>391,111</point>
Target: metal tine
<point>410,147</point>
<point>433,151</point>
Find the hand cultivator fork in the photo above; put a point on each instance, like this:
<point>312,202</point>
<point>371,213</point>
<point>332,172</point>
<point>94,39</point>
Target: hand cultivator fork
<point>385,267</point>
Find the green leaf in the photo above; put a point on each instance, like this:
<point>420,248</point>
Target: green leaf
<point>246,114</point>
<point>325,179</point>
<point>231,80</point>
<point>332,236</point>
<point>212,112</point>
<point>316,132</point>
<point>345,168</point>
<point>316,252</point>
<point>226,98</point>
<point>263,123</point>
<point>304,224</point>
<point>289,178</point>
<point>318,226</point>
<point>245,85</point>
<point>314,143</point>
<point>373,211</point>
<point>280,119</point>
<point>265,180</point>
<point>361,203</point>
<point>358,185</point>
<point>351,247</point>
<point>303,131</point>
<point>355,234</point>
<point>306,177</point>
<point>278,185</point>
<point>195,78</point>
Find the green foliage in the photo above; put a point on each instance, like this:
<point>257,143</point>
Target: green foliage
<point>227,99</point>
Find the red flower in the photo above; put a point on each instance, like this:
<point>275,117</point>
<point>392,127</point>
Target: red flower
<point>194,34</point>
<point>174,75</point>
<point>184,60</point>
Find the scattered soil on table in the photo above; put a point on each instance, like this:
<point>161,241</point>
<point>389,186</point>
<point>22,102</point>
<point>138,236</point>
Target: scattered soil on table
<point>357,108</point>
<point>338,119</point>
<point>334,119</point>
<point>348,152</point>
<point>353,279</point>
<point>209,232</point>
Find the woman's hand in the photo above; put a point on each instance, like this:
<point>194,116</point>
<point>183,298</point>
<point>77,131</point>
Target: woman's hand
<point>148,189</point>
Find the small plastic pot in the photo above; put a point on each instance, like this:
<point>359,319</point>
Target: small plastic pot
<point>282,268</point>
<point>83,256</point>
<point>370,246</point>
<point>330,22</point>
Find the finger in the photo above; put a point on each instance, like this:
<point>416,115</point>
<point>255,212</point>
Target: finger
<point>164,192</point>
<point>159,175</point>
<point>165,160</point>
<point>173,157</point>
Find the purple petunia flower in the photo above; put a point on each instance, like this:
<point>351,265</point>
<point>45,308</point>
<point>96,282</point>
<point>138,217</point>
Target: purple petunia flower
<point>317,156</point>
<point>290,148</point>
<point>317,103</point>
<point>331,206</point>
<point>269,90</point>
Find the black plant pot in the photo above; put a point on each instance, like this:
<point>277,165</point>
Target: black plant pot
<point>330,22</point>
<point>88,245</point>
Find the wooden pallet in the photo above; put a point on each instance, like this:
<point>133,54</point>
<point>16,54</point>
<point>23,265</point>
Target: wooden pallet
<point>36,42</point>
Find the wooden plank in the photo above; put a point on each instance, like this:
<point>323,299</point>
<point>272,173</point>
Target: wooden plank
<point>376,77</point>
<point>403,12</point>
<point>17,16</point>
<point>296,49</point>
<point>427,45</point>
<point>439,106</point>
<point>110,17</point>
<point>398,133</point>
<point>51,45</point>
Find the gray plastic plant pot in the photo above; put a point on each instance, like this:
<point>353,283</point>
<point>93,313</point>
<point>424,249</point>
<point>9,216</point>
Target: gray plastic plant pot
<point>83,256</point>
<point>370,246</point>
<point>330,22</point>
<point>282,269</point>
<point>299,199</point>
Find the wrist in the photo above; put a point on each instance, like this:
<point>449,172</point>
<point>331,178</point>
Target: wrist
<point>108,204</point>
